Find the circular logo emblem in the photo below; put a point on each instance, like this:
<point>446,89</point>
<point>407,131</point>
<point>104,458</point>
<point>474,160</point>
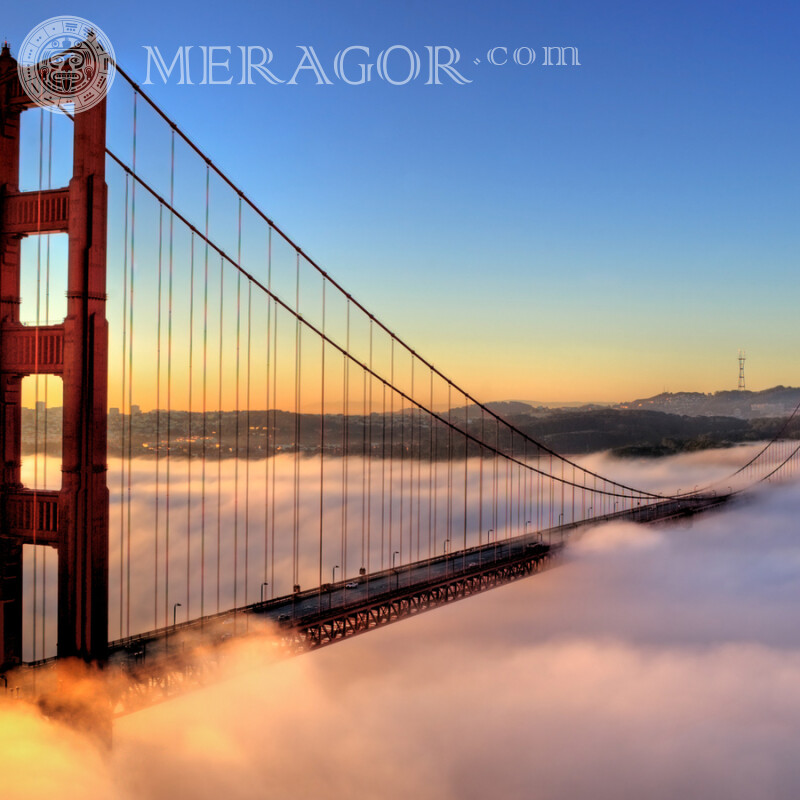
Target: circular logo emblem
<point>66,61</point>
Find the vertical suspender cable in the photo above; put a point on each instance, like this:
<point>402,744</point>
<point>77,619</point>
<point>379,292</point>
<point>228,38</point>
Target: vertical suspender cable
<point>495,482</point>
<point>466,466</point>
<point>507,503</point>
<point>435,478</point>
<point>274,434</point>
<point>345,441</point>
<point>510,466</point>
<point>363,469</point>
<point>236,421</point>
<point>402,468</point>
<point>158,413</point>
<point>268,465</point>
<point>130,373</point>
<point>169,383</point>
<point>123,431</point>
<point>418,458</point>
<point>431,488</point>
<point>572,519</point>
<point>220,439</point>
<point>411,419</point>
<point>528,480</point>
<point>519,493</point>
<point>322,444</point>
<point>204,422</point>
<point>480,486</point>
<point>297,391</point>
<point>391,456</point>
<point>449,541</point>
<point>410,448</point>
<point>368,565</point>
<point>539,494</point>
<point>383,476</point>
<point>190,432</point>
<point>248,421</point>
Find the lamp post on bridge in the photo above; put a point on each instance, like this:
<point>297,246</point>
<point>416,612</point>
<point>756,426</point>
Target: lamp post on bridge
<point>333,580</point>
<point>397,574</point>
<point>265,583</point>
<point>174,624</point>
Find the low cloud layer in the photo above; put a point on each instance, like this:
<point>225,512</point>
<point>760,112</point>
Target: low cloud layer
<point>388,510</point>
<point>653,662</point>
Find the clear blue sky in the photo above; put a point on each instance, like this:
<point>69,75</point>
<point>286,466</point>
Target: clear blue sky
<point>552,233</point>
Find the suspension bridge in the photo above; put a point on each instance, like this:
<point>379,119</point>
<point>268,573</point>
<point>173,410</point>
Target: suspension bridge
<point>202,431</point>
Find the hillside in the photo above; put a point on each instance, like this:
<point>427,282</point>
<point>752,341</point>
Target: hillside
<point>743,404</point>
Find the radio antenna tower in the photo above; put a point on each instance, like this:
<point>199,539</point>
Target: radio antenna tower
<point>741,370</point>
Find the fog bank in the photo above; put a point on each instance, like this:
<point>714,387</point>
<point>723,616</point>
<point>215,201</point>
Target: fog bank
<point>653,662</point>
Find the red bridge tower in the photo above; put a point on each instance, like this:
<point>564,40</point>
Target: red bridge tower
<point>73,520</point>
